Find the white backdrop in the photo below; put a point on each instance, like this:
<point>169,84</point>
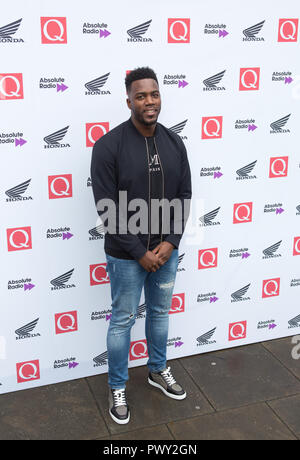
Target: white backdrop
<point>239,276</point>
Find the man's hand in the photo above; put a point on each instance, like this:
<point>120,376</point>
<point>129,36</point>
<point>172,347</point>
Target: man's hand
<point>149,262</point>
<point>163,251</point>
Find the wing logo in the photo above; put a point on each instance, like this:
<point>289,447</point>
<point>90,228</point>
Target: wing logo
<point>250,34</point>
<point>243,173</point>
<point>15,193</point>
<point>93,86</point>
<point>239,294</point>
<point>204,339</point>
<point>277,126</point>
<point>60,281</point>
<point>24,331</point>
<point>135,33</point>
<point>207,219</point>
<point>53,140</point>
<point>211,83</point>
<point>270,251</point>
<point>101,360</point>
<point>7,31</point>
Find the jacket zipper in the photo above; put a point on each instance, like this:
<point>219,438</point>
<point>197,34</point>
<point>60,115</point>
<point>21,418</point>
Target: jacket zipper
<point>149,200</point>
<point>163,190</point>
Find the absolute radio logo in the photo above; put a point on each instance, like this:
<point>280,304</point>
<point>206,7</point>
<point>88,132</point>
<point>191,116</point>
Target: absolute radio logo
<point>98,274</point>
<point>66,322</point>
<point>213,172</point>
<point>16,193</point>
<point>218,30</point>
<point>283,77</point>
<point>207,258</point>
<point>11,86</point>
<point>271,288</point>
<point>288,30</point>
<point>54,30</point>
<point>57,83</point>
<point>210,297</point>
<point>269,324</point>
<point>249,79</point>
<point>244,172</point>
<point>175,342</point>
<point>138,350</point>
<point>93,86</point>
<point>98,29</point>
<point>65,362</point>
<point>19,239</point>
<point>93,132</point>
<point>247,123</point>
<point>53,140</point>
<point>176,80</point>
<point>212,127</point>
<point>101,314</point>
<point>23,283</point>
<point>14,137</point>
<point>60,186</point>
<point>179,30</point>
<point>212,83</point>
<point>63,233</point>
<point>28,371</point>
<point>8,31</point>
<point>276,208</point>
<point>136,33</point>
<point>278,167</point>
<point>252,32</point>
<point>242,212</point>
<point>243,253</point>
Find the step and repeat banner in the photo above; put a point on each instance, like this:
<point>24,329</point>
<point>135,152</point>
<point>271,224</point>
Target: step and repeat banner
<point>230,86</point>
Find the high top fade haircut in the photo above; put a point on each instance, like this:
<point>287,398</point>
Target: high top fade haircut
<point>139,74</point>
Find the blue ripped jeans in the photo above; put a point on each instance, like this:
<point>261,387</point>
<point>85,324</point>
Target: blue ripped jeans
<point>127,279</point>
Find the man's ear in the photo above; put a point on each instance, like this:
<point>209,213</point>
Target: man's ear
<point>128,103</point>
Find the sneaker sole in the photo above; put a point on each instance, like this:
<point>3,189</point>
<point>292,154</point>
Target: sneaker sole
<point>170,395</point>
<point>120,421</point>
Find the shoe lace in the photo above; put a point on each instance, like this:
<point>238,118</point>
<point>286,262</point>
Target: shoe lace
<point>167,375</point>
<point>119,398</point>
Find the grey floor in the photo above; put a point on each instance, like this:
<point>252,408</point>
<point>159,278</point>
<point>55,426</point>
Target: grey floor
<point>249,392</point>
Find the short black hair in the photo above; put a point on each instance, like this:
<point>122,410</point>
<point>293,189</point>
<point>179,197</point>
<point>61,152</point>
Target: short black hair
<point>139,74</point>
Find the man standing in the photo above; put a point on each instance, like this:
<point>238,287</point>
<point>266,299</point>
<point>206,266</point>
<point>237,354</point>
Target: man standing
<point>149,162</point>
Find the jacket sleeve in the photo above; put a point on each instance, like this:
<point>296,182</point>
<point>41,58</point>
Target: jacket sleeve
<point>105,187</point>
<point>184,194</point>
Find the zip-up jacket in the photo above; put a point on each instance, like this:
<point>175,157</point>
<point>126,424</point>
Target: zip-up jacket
<point>120,162</point>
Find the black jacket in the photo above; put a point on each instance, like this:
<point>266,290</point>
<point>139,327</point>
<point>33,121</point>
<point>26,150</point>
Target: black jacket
<point>120,162</point>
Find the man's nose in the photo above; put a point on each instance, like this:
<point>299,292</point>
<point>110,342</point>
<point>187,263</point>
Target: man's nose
<point>149,100</point>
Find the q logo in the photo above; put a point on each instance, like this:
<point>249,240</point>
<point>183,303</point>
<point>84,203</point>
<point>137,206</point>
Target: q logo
<point>19,239</point>
<point>138,350</point>
<point>237,331</point>
<point>60,186</point>
<point>54,30</point>
<point>94,131</point>
<point>11,86</point>
<point>271,288</point>
<point>207,258</point>
<point>242,212</point>
<point>212,127</point>
<point>66,322</point>
<point>278,167</point>
<point>249,79</point>
<point>296,251</point>
<point>98,274</point>
<point>288,30</point>
<point>179,30</point>
<point>29,370</point>
<point>177,305</point>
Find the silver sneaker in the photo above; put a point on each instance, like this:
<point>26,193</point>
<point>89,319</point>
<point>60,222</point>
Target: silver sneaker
<point>118,407</point>
<point>165,381</point>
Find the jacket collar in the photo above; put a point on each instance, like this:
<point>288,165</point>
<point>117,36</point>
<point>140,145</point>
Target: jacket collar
<point>156,132</point>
